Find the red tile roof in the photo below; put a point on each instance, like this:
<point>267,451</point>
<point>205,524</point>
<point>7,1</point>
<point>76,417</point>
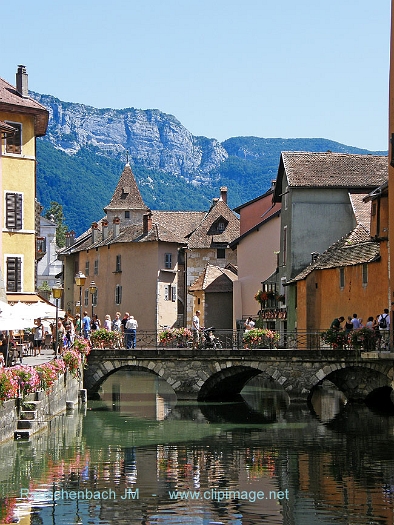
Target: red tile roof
<point>11,101</point>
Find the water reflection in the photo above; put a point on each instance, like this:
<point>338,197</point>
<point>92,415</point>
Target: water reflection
<point>141,458</point>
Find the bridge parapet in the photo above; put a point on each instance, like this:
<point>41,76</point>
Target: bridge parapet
<point>218,373</point>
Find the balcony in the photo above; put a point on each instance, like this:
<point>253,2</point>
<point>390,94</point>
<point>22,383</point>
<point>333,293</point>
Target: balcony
<point>41,247</point>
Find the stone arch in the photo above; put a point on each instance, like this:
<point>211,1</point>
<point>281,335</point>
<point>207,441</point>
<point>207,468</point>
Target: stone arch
<point>357,380</point>
<point>106,369</point>
<point>228,381</point>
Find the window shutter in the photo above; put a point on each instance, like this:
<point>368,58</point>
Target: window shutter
<point>14,143</point>
<point>13,205</point>
<point>14,274</point>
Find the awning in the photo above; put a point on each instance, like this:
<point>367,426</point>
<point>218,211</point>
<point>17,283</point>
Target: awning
<point>28,298</point>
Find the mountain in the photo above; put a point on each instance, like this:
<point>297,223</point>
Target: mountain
<point>83,153</point>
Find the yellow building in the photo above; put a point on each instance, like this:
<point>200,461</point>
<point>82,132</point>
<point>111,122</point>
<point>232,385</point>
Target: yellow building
<point>29,119</point>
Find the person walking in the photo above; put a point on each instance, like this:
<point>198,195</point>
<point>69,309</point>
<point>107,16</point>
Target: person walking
<point>107,323</point>
<point>131,327</point>
<point>384,328</point>
<point>38,337</point>
<point>196,328</point>
<point>86,325</point>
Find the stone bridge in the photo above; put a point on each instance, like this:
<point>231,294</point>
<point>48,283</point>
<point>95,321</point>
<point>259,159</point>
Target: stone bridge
<point>221,373</point>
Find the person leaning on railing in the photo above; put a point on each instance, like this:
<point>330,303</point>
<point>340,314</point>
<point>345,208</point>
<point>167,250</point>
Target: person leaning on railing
<point>336,324</point>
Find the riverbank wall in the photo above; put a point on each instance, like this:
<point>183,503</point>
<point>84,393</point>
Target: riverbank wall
<point>22,418</point>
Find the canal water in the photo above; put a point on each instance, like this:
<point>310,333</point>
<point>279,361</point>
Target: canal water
<point>137,456</point>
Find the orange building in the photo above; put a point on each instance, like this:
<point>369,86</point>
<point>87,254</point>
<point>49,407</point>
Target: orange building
<point>391,163</point>
<point>352,275</point>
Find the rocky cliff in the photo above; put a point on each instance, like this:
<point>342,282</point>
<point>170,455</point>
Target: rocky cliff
<point>153,139</point>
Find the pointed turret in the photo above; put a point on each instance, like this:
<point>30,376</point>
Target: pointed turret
<point>126,202</point>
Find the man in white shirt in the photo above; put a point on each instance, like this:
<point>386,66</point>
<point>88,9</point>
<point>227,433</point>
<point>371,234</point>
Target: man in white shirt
<point>131,330</point>
<point>196,328</point>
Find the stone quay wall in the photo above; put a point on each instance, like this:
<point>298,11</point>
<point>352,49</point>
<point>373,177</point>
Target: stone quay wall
<point>21,418</point>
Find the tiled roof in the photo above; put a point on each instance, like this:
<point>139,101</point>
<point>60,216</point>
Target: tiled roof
<point>355,248</point>
<point>361,209</point>
<point>336,170</point>
<point>127,196</point>
<point>214,279</point>
<point>181,223</point>
<point>12,101</point>
<point>204,236</point>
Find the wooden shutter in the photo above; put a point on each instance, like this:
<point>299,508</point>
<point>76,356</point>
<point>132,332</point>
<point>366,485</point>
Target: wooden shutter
<point>13,206</point>
<point>14,143</point>
<point>14,274</point>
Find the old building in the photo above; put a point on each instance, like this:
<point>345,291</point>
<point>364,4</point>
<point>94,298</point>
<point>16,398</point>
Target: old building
<point>316,190</point>
<point>29,120</point>
<point>139,259</point>
<point>257,248</point>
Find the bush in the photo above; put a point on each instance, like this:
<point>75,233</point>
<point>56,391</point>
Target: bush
<point>8,384</point>
<point>73,361</point>
<point>261,338</point>
<point>28,378</point>
<point>335,338</point>
<point>48,374</point>
<point>363,338</point>
<point>103,338</point>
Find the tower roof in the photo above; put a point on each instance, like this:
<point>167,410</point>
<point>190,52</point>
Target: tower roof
<point>127,196</point>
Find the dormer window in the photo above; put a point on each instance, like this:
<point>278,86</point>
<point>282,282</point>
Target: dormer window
<point>218,226</point>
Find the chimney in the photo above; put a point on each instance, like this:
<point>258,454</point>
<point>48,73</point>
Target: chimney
<point>116,223</point>
<point>70,238</point>
<point>21,82</point>
<point>147,222</point>
<point>95,232</point>
<point>223,194</point>
<point>104,228</point>
<point>314,256</point>
<point>215,200</point>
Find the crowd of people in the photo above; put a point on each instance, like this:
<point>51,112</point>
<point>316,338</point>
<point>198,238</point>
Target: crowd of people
<point>380,324</point>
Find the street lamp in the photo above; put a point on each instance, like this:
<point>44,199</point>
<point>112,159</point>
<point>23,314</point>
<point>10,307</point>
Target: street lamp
<point>80,279</point>
<point>93,291</point>
<point>57,292</point>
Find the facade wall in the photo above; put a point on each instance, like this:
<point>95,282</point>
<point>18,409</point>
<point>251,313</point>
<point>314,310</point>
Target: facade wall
<point>320,298</point>
<point>143,279</point>
<point>18,175</point>
<point>252,213</point>
<point>257,260</point>
<point>391,166</point>
<point>197,259</point>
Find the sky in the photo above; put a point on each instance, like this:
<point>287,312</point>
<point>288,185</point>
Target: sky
<point>223,68</point>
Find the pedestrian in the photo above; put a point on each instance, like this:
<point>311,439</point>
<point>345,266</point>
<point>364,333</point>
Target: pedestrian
<point>196,328</point>
<point>95,323</point>
<point>117,323</point>
<point>131,330</point>
<point>336,324</point>
<point>348,325</point>
<point>369,323</point>
<point>249,324</point>
<point>384,327</point>
<point>86,325</point>
<point>38,336</point>
<point>355,322</point>
<point>124,330</point>
<point>107,323</point>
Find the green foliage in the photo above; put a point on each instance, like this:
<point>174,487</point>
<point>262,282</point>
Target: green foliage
<point>337,339</point>
<point>55,211</point>
<point>83,184</point>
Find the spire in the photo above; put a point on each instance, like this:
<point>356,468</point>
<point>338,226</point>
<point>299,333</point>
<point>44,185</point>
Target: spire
<point>126,201</point>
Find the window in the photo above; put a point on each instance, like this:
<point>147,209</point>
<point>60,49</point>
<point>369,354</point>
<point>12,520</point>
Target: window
<point>127,214</point>
<point>168,260</point>
<point>173,294</point>
<point>284,246</point>
<point>13,144</point>
<point>118,294</point>
<point>221,226</point>
<point>86,297</point>
<point>220,253</point>
<point>342,277</point>
<point>87,268</point>
<point>118,264</point>
<point>41,245</point>
<point>13,211</point>
<point>365,274</point>
<point>14,274</point>
<point>96,265</point>
<point>167,292</point>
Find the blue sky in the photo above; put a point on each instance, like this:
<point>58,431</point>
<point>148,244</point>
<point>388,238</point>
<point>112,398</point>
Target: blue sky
<point>224,68</point>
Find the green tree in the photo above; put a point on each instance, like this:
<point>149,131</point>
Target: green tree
<point>55,213</point>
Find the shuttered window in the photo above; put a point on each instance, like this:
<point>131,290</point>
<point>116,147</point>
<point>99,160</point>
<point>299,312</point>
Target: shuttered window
<point>13,211</point>
<point>14,144</point>
<point>14,274</point>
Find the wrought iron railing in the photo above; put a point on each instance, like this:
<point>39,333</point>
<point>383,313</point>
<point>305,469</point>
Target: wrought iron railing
<point>234,339</point>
